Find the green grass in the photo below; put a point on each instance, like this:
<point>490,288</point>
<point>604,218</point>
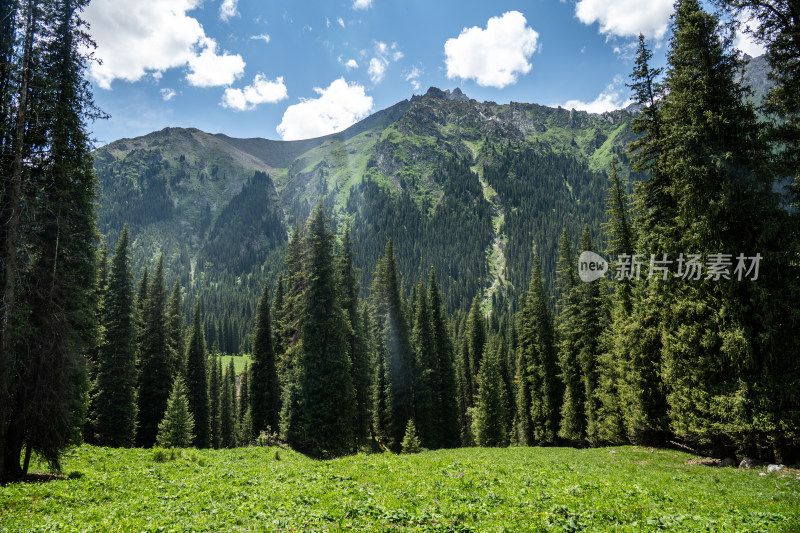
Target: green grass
<point>238,362</point>
<point>515,489</point>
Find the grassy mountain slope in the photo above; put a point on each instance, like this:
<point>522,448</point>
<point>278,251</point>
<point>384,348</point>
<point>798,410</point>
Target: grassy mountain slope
<point>414,172</point>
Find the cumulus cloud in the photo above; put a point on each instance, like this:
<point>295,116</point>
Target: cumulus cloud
<point>261,91</point>
<point>337,107</point>
<point>148,36</point>
<point>227,9</point>
<point>168,94</point>
<point>362,4</point>
<point>494,56</point>
<point>262,37</point>
<point>340,20</point>
<point>209,69</point>
<point>613,97</point>
<point>627,18</point>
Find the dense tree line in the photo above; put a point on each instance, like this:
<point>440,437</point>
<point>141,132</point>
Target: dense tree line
<point>344,360</point>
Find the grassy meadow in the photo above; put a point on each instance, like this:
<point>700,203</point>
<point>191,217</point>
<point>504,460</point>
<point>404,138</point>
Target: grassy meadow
<point>471,489</point>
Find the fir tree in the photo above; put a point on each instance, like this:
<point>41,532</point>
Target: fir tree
<point>394,347</point>
<point>115,401</point>
<point>490,422</point>
<point>175,429</point>
<point>197,383</point>
<point>227,409</point>
<point>176,330</point>
<point>357,346</point>
<point>573,417</point>
<point>320,407</point>
<point>536,364</point>
<point>264,389</point>
<point>155,375</point>
<point>410,443</point>
<point>445,396</point>
<point>214,385</point>
<point>425,371</point>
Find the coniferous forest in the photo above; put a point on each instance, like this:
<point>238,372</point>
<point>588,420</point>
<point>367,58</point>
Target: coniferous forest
<point>368,318</point>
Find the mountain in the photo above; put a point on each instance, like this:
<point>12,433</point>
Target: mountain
<point>472,188</point>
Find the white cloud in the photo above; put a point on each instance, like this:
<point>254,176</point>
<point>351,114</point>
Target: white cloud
<point>413,78</point>
<point>168,94</point>
<point>493,57</point>
<point>627,18</point>
<point>377,69</point>
<point>262,37</point>
<point>340,21</point>
<point>208,69</point>
<point>262,91</point>
<point>362,4</point>
<point>744,40</point>
<point>384,55</point>
<point>350,64</point>
<point>227,9</point>
<point>338,106</point>
<point>137,38</point>
<point>612,98</point>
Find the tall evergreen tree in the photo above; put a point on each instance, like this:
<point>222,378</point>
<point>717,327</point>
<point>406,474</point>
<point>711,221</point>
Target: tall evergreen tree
<point>214,386</point>
<point>155,374</point>
<point>357,346</point>
<point>395,347</point>
<point>115,400</point>
<point>197,382</point>
<point>265,394</point>
<point>228,409</point>
<point>49,296</point>
<point>176,330</point>
<point>320,408</point>
<point>536,363</point>
<point>446,395</point>
<point>490,424</point>
<point>425,371</point>
<point>573,418</point>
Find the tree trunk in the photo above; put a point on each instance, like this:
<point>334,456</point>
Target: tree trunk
<point>12,198</point>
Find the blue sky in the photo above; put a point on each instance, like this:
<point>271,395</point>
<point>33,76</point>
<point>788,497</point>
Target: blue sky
<point>300,69</point>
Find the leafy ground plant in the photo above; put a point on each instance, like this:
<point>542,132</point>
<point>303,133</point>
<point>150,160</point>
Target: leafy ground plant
<point>473,489</point>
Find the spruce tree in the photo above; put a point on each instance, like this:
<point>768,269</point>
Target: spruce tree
<point>214,385</point>
<point>394,347</point>
<point>227,409</point>
<point>573,418</point>
<point>446,396</point>
<point>155,373</point>
<point>490,422</point>
<point>197,382</point>
<point>425,371</point>
<point>265,394</point>
<point>176,330</point>
<point>115,400</point>
<point>357,346</point>
<point>537,363</point>
<point>716,157</point>
<point>175,429</point>
<point>320,407</point>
